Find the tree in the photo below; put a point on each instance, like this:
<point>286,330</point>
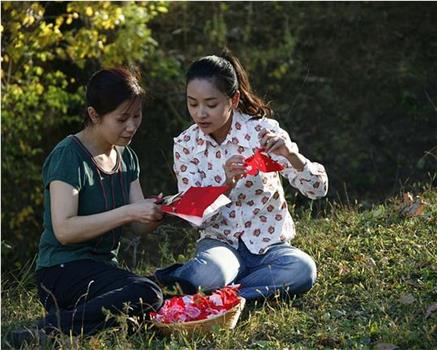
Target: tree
<point>48,51</point>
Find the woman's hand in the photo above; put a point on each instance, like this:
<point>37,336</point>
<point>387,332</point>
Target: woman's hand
<point>234,170</point>
<point>275,143</point>
<point>281,146</point>
<point>146,211</point>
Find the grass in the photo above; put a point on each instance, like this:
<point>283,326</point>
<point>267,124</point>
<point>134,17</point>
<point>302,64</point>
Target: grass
<point>376,281</point>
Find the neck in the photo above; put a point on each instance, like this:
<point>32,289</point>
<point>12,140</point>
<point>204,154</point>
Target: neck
<point>220,135</point>
<point>93,142</point>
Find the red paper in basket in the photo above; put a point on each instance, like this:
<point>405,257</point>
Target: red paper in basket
<point>197,307</point>
<point>261,162</point>
<point>195,200</point>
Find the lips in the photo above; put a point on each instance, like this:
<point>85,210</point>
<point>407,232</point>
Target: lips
<point>127,137</point>
<point>204,124</point>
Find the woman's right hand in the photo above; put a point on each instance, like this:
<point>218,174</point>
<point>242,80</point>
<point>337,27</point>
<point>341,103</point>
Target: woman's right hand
<point>145,211</point>
<point>234,169</point>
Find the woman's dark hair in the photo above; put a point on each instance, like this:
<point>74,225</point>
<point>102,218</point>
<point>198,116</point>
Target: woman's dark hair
<point>109,88</point>
<point>229,76</point>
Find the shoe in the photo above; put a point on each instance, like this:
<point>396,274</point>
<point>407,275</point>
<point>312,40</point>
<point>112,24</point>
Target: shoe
<point>165,279</point>
<point>19,337</point>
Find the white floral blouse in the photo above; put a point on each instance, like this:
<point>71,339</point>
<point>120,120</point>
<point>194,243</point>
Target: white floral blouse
<point>258,213</point>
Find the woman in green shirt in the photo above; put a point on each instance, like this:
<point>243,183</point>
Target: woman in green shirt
<point>92,189</point>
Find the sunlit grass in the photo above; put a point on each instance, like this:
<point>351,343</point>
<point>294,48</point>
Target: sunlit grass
<point>376,281</point>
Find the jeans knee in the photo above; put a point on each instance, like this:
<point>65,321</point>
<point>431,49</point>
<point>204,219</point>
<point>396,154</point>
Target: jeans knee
<point>210,276</point>
<point>307,272</point>
<point>299,274</point>
<point>208,281</point>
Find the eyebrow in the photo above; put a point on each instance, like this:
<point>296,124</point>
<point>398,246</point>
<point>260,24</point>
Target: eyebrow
<point>206,99</point>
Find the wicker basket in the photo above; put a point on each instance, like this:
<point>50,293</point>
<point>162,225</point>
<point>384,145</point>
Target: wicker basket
<point>227,320</point>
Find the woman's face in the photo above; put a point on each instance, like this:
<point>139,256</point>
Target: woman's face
<point>210,109</point>
<point>119,126</point>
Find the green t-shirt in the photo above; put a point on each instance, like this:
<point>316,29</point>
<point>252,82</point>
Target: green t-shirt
<point>99,191</point>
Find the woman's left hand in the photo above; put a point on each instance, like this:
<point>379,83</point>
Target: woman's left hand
<point>276,144</point>
<point>281,146</point>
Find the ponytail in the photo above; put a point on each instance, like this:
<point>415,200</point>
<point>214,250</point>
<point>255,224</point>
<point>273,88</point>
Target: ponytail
<point>249,103</point>
<point>229,76</point>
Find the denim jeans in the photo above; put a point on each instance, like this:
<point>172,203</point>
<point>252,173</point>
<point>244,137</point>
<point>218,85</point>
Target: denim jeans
<point>282,268</point>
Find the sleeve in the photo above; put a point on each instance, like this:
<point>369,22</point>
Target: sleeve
<point>63,164</point>
<point>133,165</point>
<point>186,170</point>
<point>312,180</point>
<point>188,175</point>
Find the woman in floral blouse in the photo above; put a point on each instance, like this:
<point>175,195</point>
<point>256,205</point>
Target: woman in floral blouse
<point>248,241</point>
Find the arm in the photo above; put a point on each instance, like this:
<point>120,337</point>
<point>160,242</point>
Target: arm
<point>135,196</point>
<point>70,228</point>
<point>308,177</point>
<point>188,175</point>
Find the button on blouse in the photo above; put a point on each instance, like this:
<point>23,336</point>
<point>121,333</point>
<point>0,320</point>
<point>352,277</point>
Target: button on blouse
<point>258,213</point>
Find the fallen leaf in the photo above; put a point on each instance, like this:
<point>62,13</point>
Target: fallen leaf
<point>386,346</point>
<point>411,207</point>
<point>407,299</point>
<point>430,310</point>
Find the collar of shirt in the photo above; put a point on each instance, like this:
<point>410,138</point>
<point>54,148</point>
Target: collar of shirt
<point>236,134</point>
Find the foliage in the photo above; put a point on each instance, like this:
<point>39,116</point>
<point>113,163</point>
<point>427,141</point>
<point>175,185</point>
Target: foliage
<point>376,285</point>
<point>353,83</point>
<point>47,49</point>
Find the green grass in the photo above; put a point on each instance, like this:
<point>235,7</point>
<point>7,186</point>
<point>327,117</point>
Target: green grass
<point>376,280</point>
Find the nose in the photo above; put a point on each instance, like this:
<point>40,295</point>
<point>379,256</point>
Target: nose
<point>131,126</point>
<point>202,113</point>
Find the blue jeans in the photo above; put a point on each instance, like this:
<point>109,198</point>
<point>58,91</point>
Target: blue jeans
<point>216,264</point>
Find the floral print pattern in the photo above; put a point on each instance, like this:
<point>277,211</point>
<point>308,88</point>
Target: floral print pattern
<point>258,214</point>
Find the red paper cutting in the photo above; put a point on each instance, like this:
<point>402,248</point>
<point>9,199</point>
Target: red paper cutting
<point>261,162</point>
<point>194,201</point>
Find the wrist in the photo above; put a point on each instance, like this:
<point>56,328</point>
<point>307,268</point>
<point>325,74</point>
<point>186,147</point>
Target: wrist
<point>230,183</point>
<point>296,161</point>
<point>127,214</point>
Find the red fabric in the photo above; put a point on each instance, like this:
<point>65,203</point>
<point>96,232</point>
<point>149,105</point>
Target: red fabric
<point>197,307</point>
<point>195,200</point>
<point>260,161</point>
